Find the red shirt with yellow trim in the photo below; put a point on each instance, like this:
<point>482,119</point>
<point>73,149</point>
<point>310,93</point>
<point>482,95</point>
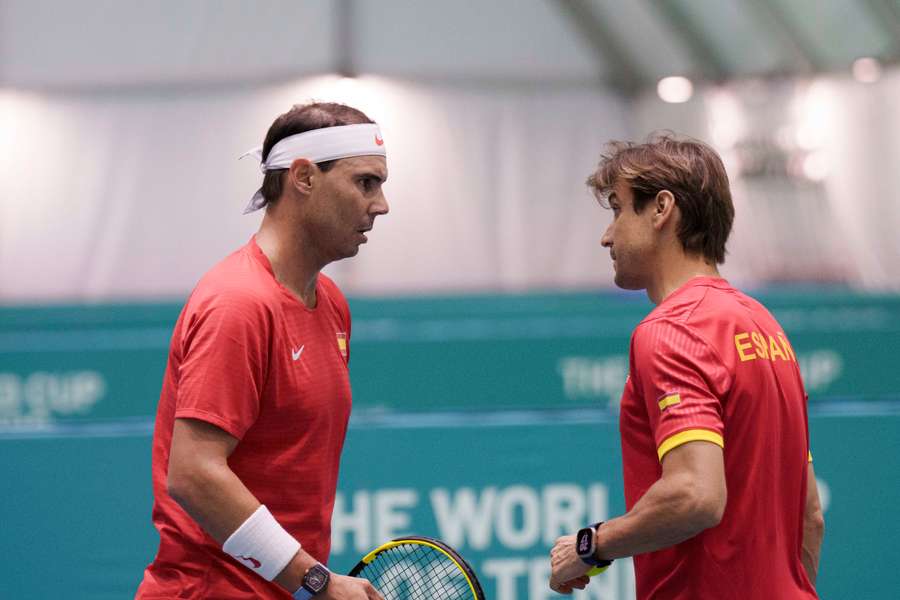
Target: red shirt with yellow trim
<point>712,364</point>
<point>249,358</point>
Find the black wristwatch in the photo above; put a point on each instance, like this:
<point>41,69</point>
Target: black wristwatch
<point>314,582</point>
<point>586,546</point>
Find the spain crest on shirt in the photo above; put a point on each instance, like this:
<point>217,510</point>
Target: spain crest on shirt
<point>342,342</point>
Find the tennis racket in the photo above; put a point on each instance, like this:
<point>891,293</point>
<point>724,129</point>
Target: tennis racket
<point>419,568</point>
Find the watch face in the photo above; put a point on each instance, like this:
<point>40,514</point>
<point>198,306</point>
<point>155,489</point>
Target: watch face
<point>583,542</point>
<point>316,578</point>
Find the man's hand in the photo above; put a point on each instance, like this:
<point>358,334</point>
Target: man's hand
<point>568,571</point>
<point>341,587</point>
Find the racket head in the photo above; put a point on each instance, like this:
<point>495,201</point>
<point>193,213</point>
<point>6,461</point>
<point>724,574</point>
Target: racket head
<point>419,568</point>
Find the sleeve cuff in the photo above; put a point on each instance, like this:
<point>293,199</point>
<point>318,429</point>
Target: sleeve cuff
<point>690,435</point>
<point>201,415</point>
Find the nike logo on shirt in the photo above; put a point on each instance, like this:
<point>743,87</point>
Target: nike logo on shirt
<point>295,354</point>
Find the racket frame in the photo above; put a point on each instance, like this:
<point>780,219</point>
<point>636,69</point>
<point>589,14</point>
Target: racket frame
<point>453,555</point>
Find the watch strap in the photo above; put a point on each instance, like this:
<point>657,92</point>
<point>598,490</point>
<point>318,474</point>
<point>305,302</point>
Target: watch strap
<point>305,592</point>
<point>596,562</point>
<point>302,594</point>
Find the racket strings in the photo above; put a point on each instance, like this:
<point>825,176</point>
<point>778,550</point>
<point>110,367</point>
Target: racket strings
<point>414,572</point>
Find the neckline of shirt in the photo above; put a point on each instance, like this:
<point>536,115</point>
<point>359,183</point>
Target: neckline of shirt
<point>259,256</point>
<point>700,281</point>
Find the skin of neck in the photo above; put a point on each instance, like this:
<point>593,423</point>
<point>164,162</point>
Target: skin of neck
<point>675,271</point>
<point>671,266</point>
<point>284,241</point>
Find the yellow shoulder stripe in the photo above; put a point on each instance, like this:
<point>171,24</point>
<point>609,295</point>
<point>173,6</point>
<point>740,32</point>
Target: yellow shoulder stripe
<point>691,435</point>
<point>669,401</point>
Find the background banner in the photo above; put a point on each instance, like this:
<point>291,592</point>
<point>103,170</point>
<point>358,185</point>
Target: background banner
<point>489,422</point>
<point>498,487</point>
<point>104,363</point>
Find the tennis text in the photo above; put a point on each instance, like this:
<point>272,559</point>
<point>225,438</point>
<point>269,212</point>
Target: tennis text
<point>517,517</point>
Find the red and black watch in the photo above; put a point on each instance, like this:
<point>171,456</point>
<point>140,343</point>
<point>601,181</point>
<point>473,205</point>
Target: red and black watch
<point>586,546</point>
<point>314,582</point>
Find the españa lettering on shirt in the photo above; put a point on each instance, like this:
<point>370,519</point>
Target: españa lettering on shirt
<point>753,345</point>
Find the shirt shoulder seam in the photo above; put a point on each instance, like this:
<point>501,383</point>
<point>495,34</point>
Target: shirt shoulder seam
<point>696,333</point>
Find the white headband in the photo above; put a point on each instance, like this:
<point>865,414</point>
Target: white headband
<point>318,145</point>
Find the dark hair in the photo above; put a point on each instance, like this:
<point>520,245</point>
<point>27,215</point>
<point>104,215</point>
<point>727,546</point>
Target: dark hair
<point>304,117</point>
<point>690,170</point>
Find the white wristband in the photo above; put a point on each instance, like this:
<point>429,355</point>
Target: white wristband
<point>262,545</point>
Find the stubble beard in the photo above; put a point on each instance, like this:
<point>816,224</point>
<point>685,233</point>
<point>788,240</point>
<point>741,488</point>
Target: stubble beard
<point>625,281</point>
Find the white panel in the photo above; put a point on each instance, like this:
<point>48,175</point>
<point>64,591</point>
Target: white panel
<point>821,203</point>
<point>47,43</point>
<point>105,196</point>
<point>487,191</point>
<point>109,196</point>
<point>472,39</point>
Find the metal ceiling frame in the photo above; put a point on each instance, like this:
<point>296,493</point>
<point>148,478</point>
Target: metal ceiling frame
<point>625,73</point>
<point>685,29</point>
<point>775,22</point>
<point>886,16</point>
<point>344,48</point>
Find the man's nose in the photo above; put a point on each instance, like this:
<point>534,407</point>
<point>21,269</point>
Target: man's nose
<point>606,240</point>
<point>380,206</point>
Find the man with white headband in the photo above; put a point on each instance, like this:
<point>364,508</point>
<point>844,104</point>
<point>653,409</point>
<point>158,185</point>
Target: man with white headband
<point>256,395</point>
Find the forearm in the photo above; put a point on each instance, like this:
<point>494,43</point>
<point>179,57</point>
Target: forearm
<point>201,481</point>
<point>812,545</point>
<point>689,497</point>
<point>813,528</point>
<point>220,503</point>
<point>213,496</point>
<point>669,513</point>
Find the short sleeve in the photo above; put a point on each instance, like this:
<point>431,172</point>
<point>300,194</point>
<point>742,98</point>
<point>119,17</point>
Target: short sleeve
<point>224,364</point>
<point>681,381</point>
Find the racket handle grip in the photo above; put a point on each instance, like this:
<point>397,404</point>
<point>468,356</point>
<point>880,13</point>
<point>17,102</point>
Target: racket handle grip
<point>597,571</point>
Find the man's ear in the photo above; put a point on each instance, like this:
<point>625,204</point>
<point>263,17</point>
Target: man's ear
<point>664,208</point>
<point>300,175</point>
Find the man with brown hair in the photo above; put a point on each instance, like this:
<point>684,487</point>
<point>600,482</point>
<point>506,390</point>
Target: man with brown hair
<point>719,485</point>
<point>256,395</point>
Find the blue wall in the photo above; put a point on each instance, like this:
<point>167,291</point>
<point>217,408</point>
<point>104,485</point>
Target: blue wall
<point>479,400</point>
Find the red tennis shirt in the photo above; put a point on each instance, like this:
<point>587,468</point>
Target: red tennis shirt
<point>709,363</point>
<point>249,358</point>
